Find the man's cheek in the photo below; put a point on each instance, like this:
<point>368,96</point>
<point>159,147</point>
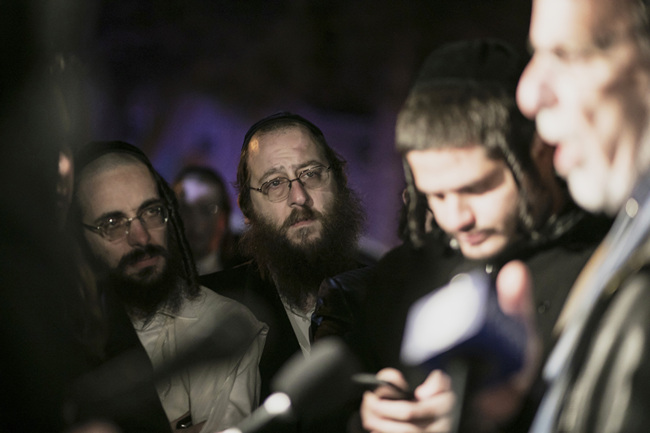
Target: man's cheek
<point>103,256</point>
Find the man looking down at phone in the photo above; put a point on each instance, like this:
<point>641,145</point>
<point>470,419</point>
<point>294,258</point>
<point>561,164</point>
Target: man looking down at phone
<point>490,184</point>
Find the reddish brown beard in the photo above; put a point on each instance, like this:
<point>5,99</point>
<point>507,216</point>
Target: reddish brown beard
<point>298,268</point>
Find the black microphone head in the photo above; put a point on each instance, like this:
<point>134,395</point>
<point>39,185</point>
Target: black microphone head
<point>321,383</point>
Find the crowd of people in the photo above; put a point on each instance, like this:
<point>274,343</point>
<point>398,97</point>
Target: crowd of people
<point>130,306</point>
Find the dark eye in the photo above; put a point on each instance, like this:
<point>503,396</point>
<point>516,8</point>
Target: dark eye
<point>313,172</point>
<point>573,55</point>
<point>274,184</point>
<point>152,211</point>
<point>112,223</point>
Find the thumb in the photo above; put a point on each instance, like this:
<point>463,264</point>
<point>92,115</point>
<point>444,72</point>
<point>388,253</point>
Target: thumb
<point>514,290</point>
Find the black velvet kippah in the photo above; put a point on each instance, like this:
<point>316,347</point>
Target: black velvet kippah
<point>96,149</point>
<point>481,61</point>
<point>282,115</point>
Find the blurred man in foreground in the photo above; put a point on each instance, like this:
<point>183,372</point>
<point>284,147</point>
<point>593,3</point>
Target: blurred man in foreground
<point>490,185</point>
<point>588,88</point>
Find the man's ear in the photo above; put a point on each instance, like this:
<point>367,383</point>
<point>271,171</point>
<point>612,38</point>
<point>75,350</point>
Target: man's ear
<point>247,220</point>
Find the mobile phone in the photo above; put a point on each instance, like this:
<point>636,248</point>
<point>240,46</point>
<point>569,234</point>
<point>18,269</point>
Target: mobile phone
<point>371,382</point>
<point>185,422</point>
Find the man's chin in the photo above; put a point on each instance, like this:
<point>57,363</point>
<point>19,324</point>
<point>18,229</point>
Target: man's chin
<point>598,193</point>
<point>483,251</point>
<point>303,235</point>
<point>144,275</point>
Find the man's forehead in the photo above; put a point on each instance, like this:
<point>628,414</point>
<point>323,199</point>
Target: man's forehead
<point>578,22</point>
<point>107,162</point>
<point>265,136</point>
<point>276,148</point>
<point>452,168</point>
<point>110,181</point>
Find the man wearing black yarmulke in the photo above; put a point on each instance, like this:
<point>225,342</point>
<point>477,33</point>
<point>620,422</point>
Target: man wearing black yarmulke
<point>303,226</point>
<point>490,185</point>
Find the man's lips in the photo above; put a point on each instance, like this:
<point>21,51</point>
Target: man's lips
<point>472,238</point>
<point>145,262</point>
<point>302,223</point>
<point>563,159</point>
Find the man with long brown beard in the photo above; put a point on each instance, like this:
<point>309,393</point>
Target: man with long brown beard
<point>303,226</point>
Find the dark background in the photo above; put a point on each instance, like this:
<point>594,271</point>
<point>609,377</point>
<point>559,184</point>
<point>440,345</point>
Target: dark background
<point>184,79</point>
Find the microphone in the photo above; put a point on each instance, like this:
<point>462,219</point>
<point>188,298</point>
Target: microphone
<point>461,329</point>
<point>463,320</point>
<point>327,371</point>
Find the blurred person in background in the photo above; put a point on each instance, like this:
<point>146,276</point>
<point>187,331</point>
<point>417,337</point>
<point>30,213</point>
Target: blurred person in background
<point>204,206</point>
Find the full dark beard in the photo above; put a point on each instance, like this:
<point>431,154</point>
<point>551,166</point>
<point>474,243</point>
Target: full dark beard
<point>145,293</point>
<point>298,269</point>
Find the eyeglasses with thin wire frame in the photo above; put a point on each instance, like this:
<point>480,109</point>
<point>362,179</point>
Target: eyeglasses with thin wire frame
<point>277,189</point>
<point>116,228</point>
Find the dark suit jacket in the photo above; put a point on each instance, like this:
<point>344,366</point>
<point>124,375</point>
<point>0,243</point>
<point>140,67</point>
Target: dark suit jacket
<point>371,311</point>
<point>606,384</point>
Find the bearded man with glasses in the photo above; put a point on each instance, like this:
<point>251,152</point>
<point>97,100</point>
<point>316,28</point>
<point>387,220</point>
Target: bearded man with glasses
<point>128,223</point>
<point>303,226</point>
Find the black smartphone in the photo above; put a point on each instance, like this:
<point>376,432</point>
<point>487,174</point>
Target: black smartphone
<point>184,422</point>
<point>370,382</point>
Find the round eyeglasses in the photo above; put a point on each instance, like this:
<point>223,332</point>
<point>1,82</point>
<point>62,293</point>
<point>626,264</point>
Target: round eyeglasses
<point>277,189</point>
<point>116,228</point>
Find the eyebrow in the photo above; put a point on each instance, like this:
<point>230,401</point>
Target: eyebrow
<point>118,214</point>
<point>280,170</point>
<point>485,183</point>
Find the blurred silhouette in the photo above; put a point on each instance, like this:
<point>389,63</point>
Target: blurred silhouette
<point>204,205</point>
<point>53,327</point>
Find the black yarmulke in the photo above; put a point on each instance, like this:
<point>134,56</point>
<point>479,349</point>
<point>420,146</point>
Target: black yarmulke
<point>481,61</point>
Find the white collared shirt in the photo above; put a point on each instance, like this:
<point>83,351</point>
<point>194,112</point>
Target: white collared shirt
<point>221,393</point>
<point>301,324</point>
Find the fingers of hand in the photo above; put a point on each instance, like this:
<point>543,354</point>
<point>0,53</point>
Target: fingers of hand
<point>428,415</point>
<point>514,287</point>
<point>437,382</point>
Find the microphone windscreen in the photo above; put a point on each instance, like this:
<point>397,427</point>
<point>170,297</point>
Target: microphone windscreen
<point>463,320</point>
<point>320,383</point>
<point>276,406</point>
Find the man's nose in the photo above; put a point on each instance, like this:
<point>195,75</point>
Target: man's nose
<point>535,89</point>
<point>138,233</point>
<point>458,215</point>
<point>298,194</point>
